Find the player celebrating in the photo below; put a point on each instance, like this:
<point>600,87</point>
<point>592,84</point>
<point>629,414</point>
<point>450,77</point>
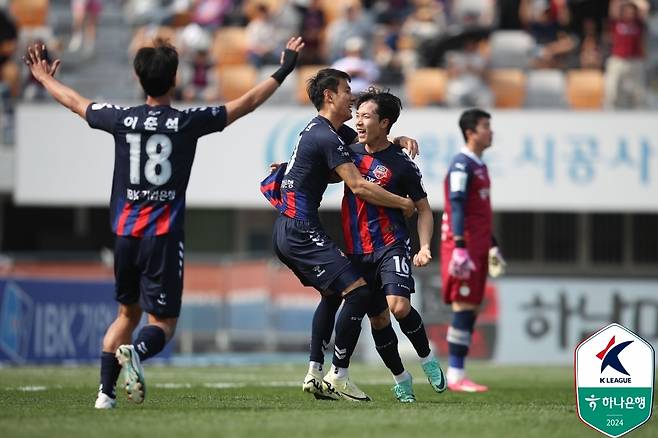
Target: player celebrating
<point>301,243</point>
<point>377,239</point>
<point>154,150</point>
<point>467,242</point>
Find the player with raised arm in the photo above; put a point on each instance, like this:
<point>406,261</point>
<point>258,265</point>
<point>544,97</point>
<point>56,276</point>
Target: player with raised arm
<point>468,249</point>
<point>378,243</point>
<point>154,150</point>
<point>296,189</point>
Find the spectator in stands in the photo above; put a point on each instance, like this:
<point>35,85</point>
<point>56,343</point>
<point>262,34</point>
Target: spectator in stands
<point>210,13</point>
<point>625,82</point>
<point>424,25</point>
<point>590,48</point>
<point>261,38</point>
<point>467,70</point>
<point>364,72</point>
<point>196,78</point>
<point>547,21</point>
<point>85,19</point>
<point>352,23</point>
<point>153,12</point>
<point>10,83</point>
<point>312,29</point>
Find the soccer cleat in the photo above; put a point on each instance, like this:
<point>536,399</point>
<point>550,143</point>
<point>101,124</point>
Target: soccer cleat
<point>104,401</point>
<point>313,385</point>
<point>466,385</point>
<point>343,388</point>
<point>132,372</point>
<point>435,375</point>
<point>404,392</point>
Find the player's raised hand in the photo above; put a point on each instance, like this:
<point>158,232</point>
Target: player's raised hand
<point>36,59</point>
<point>408,144</point>
<point>423,257</point>
<point>295,44</point>
<point>288,59</point>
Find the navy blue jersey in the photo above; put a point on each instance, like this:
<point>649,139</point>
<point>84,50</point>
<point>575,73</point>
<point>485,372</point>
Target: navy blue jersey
<point>154,148</point>
<point>319,151</point>
<point>368,227</point>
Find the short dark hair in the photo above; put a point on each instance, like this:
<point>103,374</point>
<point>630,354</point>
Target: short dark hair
<point>470,119</point>
<point>156,68</point>
<point>325,79</point>
<point>388,105</point>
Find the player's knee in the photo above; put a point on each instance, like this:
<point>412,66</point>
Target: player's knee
<point>380,321</point>
<point>399,307</point>
<point>168,325</point>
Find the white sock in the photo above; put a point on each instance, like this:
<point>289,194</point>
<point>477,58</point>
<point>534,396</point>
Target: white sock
<point>402,376</point>
<point>426,359</point>
<point>455,374</point>
<point>314,366</point>
<point>340,372</point>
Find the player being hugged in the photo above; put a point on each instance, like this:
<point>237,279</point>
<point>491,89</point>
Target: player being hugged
<point>378,243</point>
<point>154,147</point>
<point>468,249</point>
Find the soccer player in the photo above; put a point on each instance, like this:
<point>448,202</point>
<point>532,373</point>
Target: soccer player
<point>154,150</point>
<point>467,243</point>
<point>301,243</point>
<point>377,239</point>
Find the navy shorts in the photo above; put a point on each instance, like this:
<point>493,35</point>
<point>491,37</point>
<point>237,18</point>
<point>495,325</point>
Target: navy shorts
<point>388,272</point>
<point>149,270</point>
<point>314,258</point>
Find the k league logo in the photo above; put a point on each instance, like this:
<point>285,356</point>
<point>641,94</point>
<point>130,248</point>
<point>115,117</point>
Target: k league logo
<point>615,374</point>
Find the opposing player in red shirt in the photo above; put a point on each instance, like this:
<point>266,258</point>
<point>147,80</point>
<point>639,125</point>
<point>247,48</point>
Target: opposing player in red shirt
<point>467,245</point>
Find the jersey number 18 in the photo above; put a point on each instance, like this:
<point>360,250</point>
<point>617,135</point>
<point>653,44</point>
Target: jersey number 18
<point>156,158</point>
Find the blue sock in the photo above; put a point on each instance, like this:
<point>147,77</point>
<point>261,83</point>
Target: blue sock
<point>348,325</point>
<point>412,326</point>
<point>110,370</point>
<point>150,341</point>
<point>386,342</point>
<point>323,326</point>
<point>459,337</point>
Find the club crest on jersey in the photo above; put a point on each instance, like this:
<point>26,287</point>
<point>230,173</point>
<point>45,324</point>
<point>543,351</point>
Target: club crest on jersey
<point>380,172</point>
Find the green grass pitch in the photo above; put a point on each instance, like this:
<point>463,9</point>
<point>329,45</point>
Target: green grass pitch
<point>267,401</point>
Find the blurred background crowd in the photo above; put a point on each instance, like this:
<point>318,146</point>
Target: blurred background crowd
<point>492,53</point>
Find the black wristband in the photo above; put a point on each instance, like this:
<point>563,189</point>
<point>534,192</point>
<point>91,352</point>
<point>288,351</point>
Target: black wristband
<point>287,66</point>
<point>460,243</point>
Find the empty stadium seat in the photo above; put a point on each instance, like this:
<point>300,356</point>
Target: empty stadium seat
<point>426,86</point>
<point>546,89</point>
<point>585,89</point>
<point>230,46</point>
<point>305,73</point>
<point>235,80</point>
<point>508,87</point>
<point>511,49</point>
<point>30,13</point>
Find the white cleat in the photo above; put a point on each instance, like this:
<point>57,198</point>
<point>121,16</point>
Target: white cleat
<point>132,372</point>
<point>343,387</point>
<point>313,385</point>
<point>104,401</point>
